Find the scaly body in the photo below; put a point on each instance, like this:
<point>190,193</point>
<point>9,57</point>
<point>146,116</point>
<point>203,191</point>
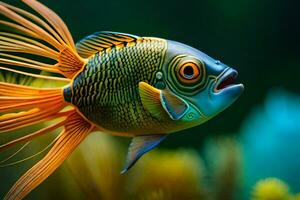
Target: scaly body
<point>107,90</point>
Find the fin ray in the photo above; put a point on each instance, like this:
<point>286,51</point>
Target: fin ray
<point>30,25</point>
<point>68,140</point>
<point>14,154</point>
<point>19,28</point>
<point>30,119</point>
<point>28,38</point>
<point>150,97</point>
<point>99,41</point>
<point>139,146</point>
<point>24,42</point>
<point>33,135</point>
<point>36,76</point>
<point>54,20</point>
<point>47,36</point>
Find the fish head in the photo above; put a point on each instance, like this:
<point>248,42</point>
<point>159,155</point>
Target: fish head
<point>204,85</point>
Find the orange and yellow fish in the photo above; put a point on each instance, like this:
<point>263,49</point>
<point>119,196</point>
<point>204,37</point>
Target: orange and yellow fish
<point>122,84</point>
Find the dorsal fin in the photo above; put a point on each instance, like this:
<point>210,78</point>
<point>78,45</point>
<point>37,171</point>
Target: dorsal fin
<point>102,40</point>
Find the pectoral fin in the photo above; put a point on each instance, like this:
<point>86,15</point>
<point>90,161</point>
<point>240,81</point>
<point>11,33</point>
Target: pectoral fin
<point>159,101</point>
<point>150,97</point>
<point>139,146</point>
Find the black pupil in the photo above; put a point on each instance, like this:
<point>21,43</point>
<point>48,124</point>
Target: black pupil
<point>188,71</point>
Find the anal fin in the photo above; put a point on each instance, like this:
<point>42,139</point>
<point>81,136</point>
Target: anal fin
<point>139,146</point>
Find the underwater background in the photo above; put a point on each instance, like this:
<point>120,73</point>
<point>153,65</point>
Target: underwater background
<point>249,151</point>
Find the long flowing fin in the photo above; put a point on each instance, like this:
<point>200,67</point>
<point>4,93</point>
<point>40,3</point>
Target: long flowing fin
<point>36,106</point>
<point>15,153</point>
<point>33,135</point>
<point>74,133</point>
<point>27,158</point>
<point>45,37</point>
<point>39,105</point>
<point>35,75</point>
<point>27,106</point>
<point>40,47</point>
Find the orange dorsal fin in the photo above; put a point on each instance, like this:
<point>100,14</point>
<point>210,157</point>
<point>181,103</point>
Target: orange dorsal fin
<point>44,36</point>
<point>29,46</point>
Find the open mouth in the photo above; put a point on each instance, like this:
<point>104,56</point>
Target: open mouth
<point>227,80</point>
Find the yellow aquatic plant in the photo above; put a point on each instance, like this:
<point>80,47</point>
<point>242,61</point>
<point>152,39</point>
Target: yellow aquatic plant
<point>223,156</point>
<point>164,174</point>
<point>297,196</point>
<point>271,189</point>
<point>171,175</point>
<point>96,165</point>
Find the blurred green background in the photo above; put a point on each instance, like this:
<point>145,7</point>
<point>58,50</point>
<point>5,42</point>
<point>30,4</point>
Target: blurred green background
<point>258,38</point>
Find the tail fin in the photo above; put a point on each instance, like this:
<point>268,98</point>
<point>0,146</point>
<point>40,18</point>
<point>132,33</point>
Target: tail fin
<point>76,129</point>
<point>25,106</point>
<point>34,45</point>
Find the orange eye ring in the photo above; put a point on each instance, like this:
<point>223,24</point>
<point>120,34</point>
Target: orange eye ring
<point>189,72</point>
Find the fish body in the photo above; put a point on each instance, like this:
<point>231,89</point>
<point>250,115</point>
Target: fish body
<point>122,84</point>
<point>107,93</point>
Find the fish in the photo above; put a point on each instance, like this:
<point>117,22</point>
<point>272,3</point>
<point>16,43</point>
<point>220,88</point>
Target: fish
<point>126,85</point>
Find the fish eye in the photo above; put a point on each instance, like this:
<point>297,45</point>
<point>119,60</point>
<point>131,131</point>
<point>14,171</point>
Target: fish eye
<point>189,72</point>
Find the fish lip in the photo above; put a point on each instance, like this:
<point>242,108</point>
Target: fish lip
<point>230,76</point>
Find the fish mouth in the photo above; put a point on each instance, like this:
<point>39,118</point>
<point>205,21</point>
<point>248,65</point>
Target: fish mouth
<point>226,81</point>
